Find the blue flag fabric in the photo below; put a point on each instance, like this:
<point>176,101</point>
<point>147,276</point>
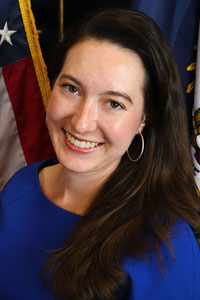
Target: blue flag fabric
<point>179,22</point>
<point>168,14</point>
<point>19,49</point>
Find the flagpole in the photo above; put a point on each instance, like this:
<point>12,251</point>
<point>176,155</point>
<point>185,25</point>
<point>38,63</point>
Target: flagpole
<point>61,20</point>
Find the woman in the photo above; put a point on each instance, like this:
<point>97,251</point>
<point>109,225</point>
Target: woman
<point>109,220</point>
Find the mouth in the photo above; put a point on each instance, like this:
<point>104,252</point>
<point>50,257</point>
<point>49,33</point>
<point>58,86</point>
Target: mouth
<point>82,144</point>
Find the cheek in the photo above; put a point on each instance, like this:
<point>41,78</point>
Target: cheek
<point>125,129</point>
<point>54,110</point>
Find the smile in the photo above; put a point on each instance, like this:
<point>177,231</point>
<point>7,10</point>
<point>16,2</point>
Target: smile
<point>80,144</point>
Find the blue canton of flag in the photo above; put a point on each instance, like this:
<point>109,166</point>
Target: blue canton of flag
<point>17,48</point>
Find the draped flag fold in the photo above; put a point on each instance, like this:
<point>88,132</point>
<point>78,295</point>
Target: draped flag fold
<point>24,90</point>
<point>179,23</point>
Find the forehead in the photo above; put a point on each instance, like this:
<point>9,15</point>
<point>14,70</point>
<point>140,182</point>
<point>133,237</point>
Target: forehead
<point>110,62</point>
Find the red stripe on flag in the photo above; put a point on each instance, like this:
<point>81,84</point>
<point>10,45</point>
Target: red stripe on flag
<point>25,96</point>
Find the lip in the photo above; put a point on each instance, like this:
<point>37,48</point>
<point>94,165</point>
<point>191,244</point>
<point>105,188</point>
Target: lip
<point>77,149</point>
<point>80,139</point>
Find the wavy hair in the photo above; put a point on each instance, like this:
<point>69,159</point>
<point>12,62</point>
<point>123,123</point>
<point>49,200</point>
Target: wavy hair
<point>136,208</point>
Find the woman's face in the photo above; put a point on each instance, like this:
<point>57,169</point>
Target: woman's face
<point>96,106</point>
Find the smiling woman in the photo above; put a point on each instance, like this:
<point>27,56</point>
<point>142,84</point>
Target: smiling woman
<point>110,219</point>
<point>103,111</point>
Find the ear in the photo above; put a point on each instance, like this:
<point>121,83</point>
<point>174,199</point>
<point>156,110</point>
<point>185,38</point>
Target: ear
<point>142,124</point>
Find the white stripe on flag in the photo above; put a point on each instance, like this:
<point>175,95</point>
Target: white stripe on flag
<point>197,79</point>
<point>11,153</point>
<point>195,112</point>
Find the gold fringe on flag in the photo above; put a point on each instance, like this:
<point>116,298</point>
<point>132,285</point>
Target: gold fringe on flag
<point>33,41</point>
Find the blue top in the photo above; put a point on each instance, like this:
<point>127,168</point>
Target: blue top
<point>31,225</point>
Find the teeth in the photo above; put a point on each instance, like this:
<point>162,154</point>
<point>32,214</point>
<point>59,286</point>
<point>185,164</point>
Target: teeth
<point>87,145</point>
<point>80,144</point>
<point>77,143</point>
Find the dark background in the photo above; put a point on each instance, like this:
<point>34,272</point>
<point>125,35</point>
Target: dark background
<point>46,13</point>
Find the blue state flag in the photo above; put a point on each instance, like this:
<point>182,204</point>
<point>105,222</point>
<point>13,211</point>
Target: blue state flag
<point>179,22</point>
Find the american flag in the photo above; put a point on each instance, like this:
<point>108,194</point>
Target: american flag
<point>24,90</point>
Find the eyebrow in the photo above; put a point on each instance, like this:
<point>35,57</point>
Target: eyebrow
<point>71,78</point>
<point>119,94</point>
<point>111,93</point>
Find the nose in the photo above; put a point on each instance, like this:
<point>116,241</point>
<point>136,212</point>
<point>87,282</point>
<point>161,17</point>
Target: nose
<point>84,118</point>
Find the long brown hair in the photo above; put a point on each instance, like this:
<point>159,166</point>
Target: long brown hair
<point>138,205</point>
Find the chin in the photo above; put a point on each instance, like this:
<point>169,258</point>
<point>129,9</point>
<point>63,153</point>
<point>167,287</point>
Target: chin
<point>76,166</point>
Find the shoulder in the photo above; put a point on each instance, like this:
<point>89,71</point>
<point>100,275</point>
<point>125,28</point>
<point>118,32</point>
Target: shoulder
<point>179,280</point>
<point>23,181</point>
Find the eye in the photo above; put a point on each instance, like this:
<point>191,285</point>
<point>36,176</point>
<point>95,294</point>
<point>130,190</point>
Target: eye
<point>115,105</point>
<point>72,89</point>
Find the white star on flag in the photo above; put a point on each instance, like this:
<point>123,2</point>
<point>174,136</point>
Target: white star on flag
<point>6,34</point>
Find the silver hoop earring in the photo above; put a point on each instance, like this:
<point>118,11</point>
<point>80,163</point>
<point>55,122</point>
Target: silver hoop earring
<point>142,150</point>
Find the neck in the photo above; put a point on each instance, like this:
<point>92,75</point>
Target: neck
<point>72,191</point>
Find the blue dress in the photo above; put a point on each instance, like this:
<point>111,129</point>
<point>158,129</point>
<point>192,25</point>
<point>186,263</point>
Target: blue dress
<point>31,226</point>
